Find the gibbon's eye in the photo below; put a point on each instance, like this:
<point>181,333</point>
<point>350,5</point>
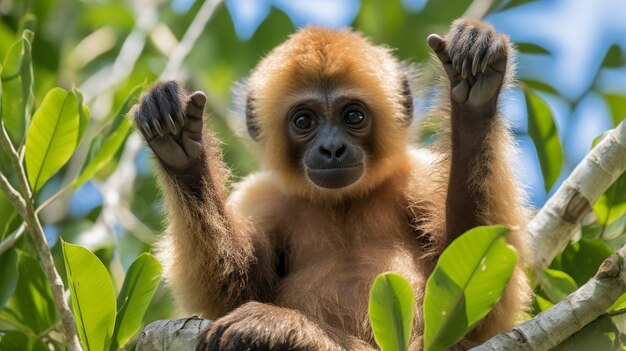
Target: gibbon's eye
<point>303,122</point>
<point>354,118</point>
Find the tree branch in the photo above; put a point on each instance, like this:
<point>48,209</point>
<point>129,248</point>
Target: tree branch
<point>25,207</point>
<point>174,335</point>
<point>549,328</point>
<point>559,219</point>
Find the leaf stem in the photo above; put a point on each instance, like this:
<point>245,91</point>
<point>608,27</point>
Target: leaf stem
<point>51,199</point>
<point>8,242</point>
<point>25,208</point>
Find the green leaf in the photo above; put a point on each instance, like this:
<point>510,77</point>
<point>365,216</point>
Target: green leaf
<point>105,145</point>
<point>391,311</point>
<point>600,334</point>
<point>617,105</point>
<point>83,114</point>
<point>28,21</point>
<point>468,280</point>
<point>614,57</point>
<point>515,3</point>
<point>92,295</point>
<point>542,304</point>
<point>8,275</point>
<point>17,340</point>
<point>52,136</point>
<point>556,285</point>
<point>541,86</point>
<point>612,204</point>
<point>141,281</point>
<point>104,153</point>
<point>619,304</point>
<point>31,306</point>
<point>17,82</point>
<point>542,130</point>
<point>531,48</point>
<point>0,93</point>
<point>582,259</point>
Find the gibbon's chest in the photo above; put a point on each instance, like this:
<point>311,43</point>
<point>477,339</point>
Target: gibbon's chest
<point>331,260</point>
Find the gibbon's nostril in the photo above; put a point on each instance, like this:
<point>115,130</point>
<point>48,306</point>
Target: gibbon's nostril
<point>326,153</point>
<point>340,151</point>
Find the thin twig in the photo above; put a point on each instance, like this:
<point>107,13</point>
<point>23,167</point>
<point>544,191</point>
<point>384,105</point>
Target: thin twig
<point>12,195</point>
<point>27,212</point>
<point>189,39</point>
<point>8,242</point>
<point>51,199</point>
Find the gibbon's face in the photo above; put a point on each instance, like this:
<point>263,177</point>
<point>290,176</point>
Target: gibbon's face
<point>328,134</point>
<point>330,113</point>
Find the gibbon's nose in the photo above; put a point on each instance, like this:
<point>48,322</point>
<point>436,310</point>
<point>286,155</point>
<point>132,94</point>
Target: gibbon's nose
<point>333,150</point>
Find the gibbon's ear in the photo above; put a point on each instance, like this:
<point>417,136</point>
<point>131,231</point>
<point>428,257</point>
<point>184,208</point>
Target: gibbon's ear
<point>406,100</point>
<point>251,120</point>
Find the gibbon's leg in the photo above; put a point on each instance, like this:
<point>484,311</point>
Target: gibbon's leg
<point>481,186</point>
<point>213,260</point>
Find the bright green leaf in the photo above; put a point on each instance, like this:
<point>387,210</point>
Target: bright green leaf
<point>617,105</point>
<point>92,295</point>
<point>17,340</point>
<point>52,136</point>
<point>542,304</point>
<point>8,275</point>
<point>619,304</point>
<point>612,204</point>
<point>468,280</point>
<point>83,113</point>
<point>141,281</point>
<point>17,82</point>
<point>542,130</point>
<point>391,311</point>
<point>106,144</point>
<point>31,306</point>
<point>531,48</point>
<point>0,93</point>
<point>104,153</point>
<point>556,285</point>
<point>582,259</point>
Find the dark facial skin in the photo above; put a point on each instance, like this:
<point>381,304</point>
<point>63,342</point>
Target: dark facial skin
<point>328,137</point>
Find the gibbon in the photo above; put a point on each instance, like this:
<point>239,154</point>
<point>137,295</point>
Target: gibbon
<point>287,259</point>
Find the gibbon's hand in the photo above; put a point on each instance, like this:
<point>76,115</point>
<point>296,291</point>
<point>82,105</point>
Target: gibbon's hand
<point>474,57</point>
<point>171,123</point>
<point>257,326</point>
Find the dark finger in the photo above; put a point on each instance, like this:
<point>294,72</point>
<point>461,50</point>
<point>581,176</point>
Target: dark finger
<point>193,125</point>
<point>195,104</point>
<point>438,45</point>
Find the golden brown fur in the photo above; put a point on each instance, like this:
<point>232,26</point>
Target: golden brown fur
<point>282,262</point>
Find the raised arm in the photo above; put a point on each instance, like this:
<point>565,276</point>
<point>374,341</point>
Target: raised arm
<point>215,260</point>
<point>482,188</point>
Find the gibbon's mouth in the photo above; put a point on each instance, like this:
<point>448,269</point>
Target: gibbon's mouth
<point>335,177</point>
